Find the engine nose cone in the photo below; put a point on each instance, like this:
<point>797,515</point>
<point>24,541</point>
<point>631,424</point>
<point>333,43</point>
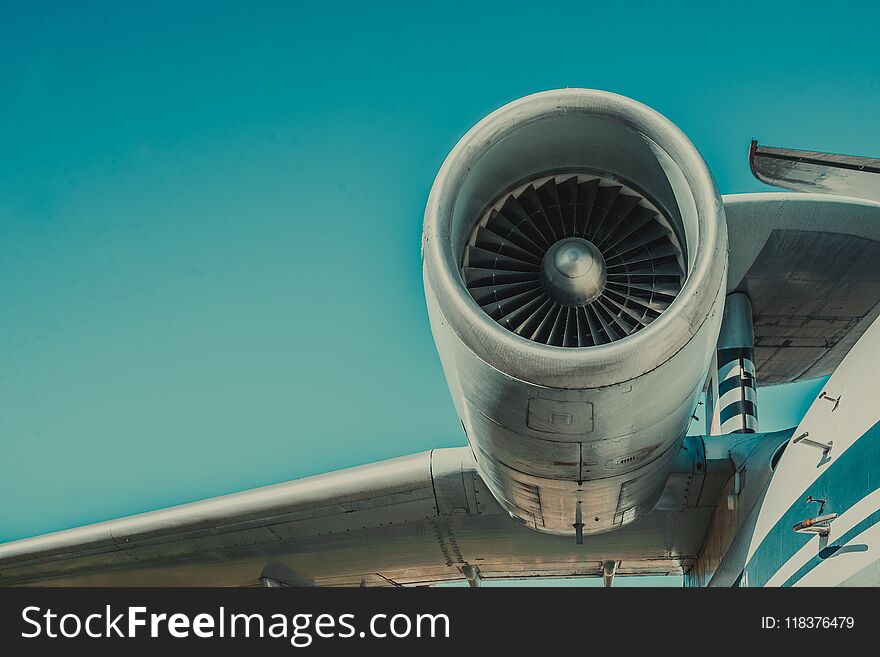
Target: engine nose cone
<point>573,272</point>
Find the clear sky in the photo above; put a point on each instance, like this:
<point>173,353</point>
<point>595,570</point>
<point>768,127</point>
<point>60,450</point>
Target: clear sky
<point>210,214</point>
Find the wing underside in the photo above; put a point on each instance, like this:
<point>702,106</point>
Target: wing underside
<point>415,520</point>
<point>808,262</point>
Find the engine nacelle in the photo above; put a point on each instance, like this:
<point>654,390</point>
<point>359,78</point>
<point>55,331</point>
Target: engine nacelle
<point>575,264</point>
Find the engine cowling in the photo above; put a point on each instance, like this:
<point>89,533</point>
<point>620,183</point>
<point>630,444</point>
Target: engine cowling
<point>575,263</point>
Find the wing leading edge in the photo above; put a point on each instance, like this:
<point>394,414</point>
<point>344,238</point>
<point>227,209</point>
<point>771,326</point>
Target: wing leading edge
<point>414,520</point>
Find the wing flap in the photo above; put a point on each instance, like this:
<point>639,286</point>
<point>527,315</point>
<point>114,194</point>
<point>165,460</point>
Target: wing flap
<point>812,171</point>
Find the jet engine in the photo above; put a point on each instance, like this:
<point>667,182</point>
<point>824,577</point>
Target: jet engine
<point>575,264</point>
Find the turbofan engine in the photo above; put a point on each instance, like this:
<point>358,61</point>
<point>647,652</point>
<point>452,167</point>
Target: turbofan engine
<point>575,263</point>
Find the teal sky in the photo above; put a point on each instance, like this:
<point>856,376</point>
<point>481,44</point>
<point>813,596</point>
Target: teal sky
<point>210,214</point>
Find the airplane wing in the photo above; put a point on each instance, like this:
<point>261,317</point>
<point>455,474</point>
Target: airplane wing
<point>413,520</point>
<point>808,262</point>
<point>811,171</point>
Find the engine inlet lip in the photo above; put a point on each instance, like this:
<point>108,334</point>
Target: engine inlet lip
<point>608,363</point>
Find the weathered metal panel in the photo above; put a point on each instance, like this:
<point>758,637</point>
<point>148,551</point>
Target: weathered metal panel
<point>414,520</point>
<point>808,262</point>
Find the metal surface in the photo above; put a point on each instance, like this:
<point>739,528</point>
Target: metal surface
<point>803,439</point>
<point>753,458</point>
<point>801,482</point>
<point>574,272</point>
<point>811,171</point>
<point>414,520</point>
<point>808,263</point>
<point>596,427</point>
<point>735,385</point>
<point>609,569</point>
<point>820,525</point>
<point>808,482</point>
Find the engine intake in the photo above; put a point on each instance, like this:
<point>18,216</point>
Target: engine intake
<point>573,261</point>
<point>575,257</point>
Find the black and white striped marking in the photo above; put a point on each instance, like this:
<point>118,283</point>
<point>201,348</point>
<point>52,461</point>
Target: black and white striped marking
<point>737,400</point>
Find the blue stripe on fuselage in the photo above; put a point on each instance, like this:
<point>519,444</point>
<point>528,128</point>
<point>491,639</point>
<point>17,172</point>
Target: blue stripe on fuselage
<point>831,550</point>
<point>852,476</point>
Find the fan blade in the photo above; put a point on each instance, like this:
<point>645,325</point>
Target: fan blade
<point>557,335</point>
<point>587,192</point>
<point>568,191</point>
<point>552,207</point>
<point>613,320</point>
<point>501,226</point>
<point>477,257</point>
<point>656,248</point>
<point>475,277</point>
<point>516,320</point>
<point>532,204</point>
<point>542,333</point>
<point>530,324</point>
<point>656,288</point>
<point>658,265</point>
<point>517,215</point>
<point>488,240</point>
<point>616,217</point>
<point>639,240</point>
<point>639,218</point>
<point>585,335</point>
<point>601,208</point>
<point>599,327</point>
<point>639,313</point>
<point>608,324</point>
<point>497,310</point>
<point>490,293</point>
<point>570,336</point>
